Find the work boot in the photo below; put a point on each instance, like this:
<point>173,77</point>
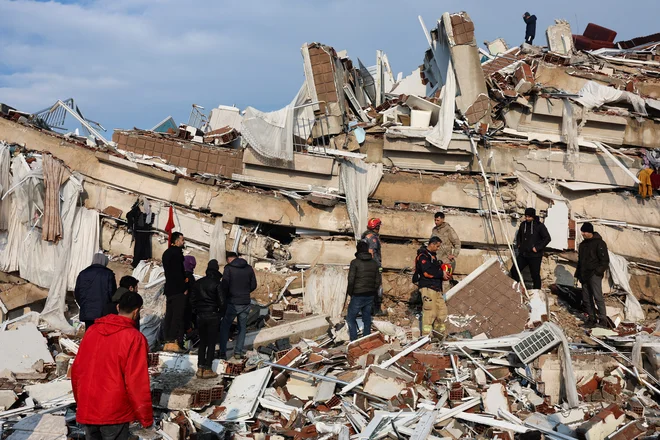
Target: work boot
<point>209,374</point>
<point>172,347</point>
<point>437,337</point>
<point>238,356</point>
<point>200,373</point>
<point>591,322</point>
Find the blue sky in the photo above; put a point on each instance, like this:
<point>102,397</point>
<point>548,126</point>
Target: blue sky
<point>133,62</point>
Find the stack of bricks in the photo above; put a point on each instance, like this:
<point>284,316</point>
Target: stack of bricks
<point>463,29</point>
<point>323,70</point>
<point>196,158</point>
<point>364,345</point>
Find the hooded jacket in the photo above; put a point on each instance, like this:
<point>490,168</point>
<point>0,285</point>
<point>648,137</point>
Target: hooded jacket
<point>207,298</point>
<point>238,281</point>
<point>532,235</point>
<point>428,270</point>
<point>530,29</point>
<point>364,277</point>
<point>593,258</point>
<point>110,376</point>
<point>175,278</point>
<point>94,288</point>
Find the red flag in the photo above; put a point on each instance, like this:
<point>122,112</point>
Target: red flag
<point>169,226</point>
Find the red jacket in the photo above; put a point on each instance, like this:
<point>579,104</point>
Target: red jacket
<point>110,376</point>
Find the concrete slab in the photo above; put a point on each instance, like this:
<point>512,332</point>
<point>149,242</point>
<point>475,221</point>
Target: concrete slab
<point>305,328</point>
<point>44,392</point>
<point>7,399</point>
<point>21,348</point>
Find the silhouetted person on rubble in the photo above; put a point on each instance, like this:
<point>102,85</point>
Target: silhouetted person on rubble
<point>110,377</point>
<point>530,29</point>
<point>175,292</point>
<point>593,261</point>
<point>95,286</point>
<point>531,240</point>
<point>364,280</point>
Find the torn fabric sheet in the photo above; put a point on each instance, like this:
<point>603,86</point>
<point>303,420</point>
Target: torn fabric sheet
<point>358,180</point>
<point>538,188</point>
<point>594,95</point>
<point>217,245</point>
<point>621,277</point>
<point>54,176</point>
<point>569,131</point>
<point>5,205</point>
<point>442,132</point>
<point>153,310</point>
<point>86,236</point>
<point>568,374</point>
<point>325,290</point>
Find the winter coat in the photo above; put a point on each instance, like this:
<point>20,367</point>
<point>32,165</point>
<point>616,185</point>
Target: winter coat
<point>190,280</point>
<point>175,278</point>
<point>532,235</point>
<point>238,281</point>
<point>364,277</point>
<point>530,29</point>
<point>94,288</point>
<point>110,376</point>
<point>373,240</point>
<point>207,297</point>
<point>593,258</point>
<point>451,244</point>
<point>428,270</point>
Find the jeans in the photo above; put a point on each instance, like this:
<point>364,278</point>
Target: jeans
<point>592,290</point>
<point>534,264</point>
<point>107,432</point>
<point>175,308</point>
<point>208,327</point>
<point>359,304</point>
<point>234,310</point>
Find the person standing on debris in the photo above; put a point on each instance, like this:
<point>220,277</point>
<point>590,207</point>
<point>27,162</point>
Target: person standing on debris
<point>175,292</point>
<point>593,261</point>
<point>428,277</point>
<point>110,377</point>
<point>531,240</point>
<point>450,246</point>
<point>208,304</point>
<point>372,237</point>
<point>126,284</point>
<point>189,265</point>
<point>238,282</point>
<point>364,280</point>
<point>530,29</point>
<point>95,286</point>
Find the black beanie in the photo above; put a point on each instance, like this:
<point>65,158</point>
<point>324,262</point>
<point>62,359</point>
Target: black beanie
<point>531,212</point>
<point>213,265</point>
<point>587,227</point>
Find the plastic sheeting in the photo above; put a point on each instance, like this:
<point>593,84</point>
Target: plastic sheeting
<point>568,374</point>
<point>538,188</point>
<point>153,309</point>
<point>621,277</point>
<point>270,135</point>
<point>325,290</point>
<point>86,235</point>
<point>217,246</point>
<point>5,205</point>
<point>358,180</point>
<point>594,95</point>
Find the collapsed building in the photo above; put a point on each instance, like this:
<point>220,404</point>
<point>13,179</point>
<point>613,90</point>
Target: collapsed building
<point>479,134</point>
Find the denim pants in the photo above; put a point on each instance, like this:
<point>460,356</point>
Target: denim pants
<point>359,304</point>
<point>233,311</point>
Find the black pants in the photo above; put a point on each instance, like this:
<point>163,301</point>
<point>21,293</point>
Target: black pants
<point>88,324</point>
<point>173,325</point>
<point>107,432</point>
<point>529,39</point>
<point>592,290</point>
<point>534,264</point>
<point>209,332</point>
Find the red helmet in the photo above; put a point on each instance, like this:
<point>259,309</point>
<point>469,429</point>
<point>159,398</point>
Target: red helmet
<point>446,268</point>
<point>374,223</point>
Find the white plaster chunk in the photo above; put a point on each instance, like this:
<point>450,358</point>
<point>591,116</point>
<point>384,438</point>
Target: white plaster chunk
<point>44,392</point>
<point>495,399</point>
<point>22,347</point>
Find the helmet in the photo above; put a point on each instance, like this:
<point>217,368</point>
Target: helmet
<point>374,223</point>
<point>446,268</point>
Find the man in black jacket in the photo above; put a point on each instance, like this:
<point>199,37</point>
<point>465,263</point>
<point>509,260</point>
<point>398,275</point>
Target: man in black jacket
<point>94,288</point>
<point>531,240</point>
<point>208,303</point>
<point>126,284</point>
<point>238,281</point>
<point>429,276</point>
<point>593,261</point>
<point>364,280</point>
<point>175,292</point>
<point>530,28</point>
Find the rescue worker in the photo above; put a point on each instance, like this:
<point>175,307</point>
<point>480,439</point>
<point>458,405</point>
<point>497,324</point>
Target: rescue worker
<point>451,244</point>
<point>364,279</point>
<point>593,261</point>
<point>110,377</point>
<point>372,237</point>
<point>531,240</point>
<point>530,28</point>
<point>429,276</point>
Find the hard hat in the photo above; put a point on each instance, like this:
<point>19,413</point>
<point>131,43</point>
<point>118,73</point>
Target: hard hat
<point>374,223</point>
<point>446,267</point>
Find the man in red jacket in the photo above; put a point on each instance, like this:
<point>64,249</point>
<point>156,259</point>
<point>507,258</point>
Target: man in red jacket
<point>110,376</point>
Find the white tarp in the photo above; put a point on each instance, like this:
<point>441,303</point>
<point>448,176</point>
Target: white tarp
<point>621,277</point>
<point>270,135</point>
<point>325,290</point>
<point>86,235</point>
<point>5,205</point>
<point>538,188</point>
<point>358,180</point>
<point>217,246</point>
<point>594,95</point>
<point>153,310</point>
